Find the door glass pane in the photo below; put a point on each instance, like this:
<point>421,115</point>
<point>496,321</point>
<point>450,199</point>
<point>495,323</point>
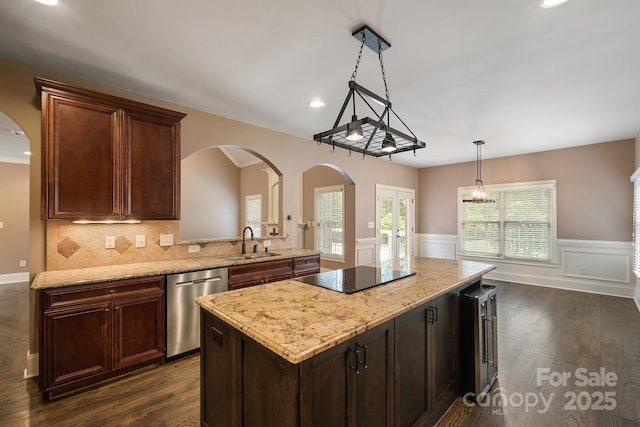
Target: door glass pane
<point>403,231</point>
<point>386,227</point>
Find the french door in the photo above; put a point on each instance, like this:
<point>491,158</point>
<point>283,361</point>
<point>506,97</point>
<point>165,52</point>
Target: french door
<point>394,222</point>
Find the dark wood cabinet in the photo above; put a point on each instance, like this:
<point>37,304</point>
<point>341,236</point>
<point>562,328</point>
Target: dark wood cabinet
<point>107,158</point>
<point>357,382</point>
<point>306,265</point>
<point>245,384</point>
<point>241,276</point>
<point>426,362</point>
<point>91,333</point>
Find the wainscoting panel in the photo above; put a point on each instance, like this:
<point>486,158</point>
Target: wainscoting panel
<point>365,250</point>
<point>436,245</point>
<point>600,267</point>
<point>603,264</point>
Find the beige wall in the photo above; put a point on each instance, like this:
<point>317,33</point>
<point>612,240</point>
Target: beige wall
<point>323,176</point>
<point>210,196</point>
<point>14,214</point>
<point>595,196</point>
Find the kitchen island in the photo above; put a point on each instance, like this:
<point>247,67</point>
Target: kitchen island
<point>289,353</point>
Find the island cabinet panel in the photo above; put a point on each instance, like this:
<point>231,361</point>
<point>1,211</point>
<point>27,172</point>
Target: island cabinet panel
<point>241,276</point>
<point>244,383</point>
<point>350,384</point>
<point>426,362</point>
<point>107,158</point>
<point>95,332</point>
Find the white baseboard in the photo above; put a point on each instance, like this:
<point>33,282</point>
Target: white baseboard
<point>32,365</point>
<point>14,278</point>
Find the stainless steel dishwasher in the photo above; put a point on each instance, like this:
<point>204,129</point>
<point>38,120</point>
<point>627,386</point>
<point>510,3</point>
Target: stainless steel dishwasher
<point>183,314</point>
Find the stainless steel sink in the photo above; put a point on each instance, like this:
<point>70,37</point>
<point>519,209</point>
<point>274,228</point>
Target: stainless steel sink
<point>261,255</point>
<point>249,256</point>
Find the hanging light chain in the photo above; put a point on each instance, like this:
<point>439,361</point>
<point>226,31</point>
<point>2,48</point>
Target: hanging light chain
<point>355,72</point>
<point>384,77</point>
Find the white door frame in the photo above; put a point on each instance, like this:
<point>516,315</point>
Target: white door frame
<point>395,192</point>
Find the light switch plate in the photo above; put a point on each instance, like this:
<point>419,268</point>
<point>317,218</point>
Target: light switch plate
<point>141,240</point>
<point>23,263</point>
<point>166,239</point>
<point>371,224</point>
<point>194,249</point>
<point>1,224</point>
<point>109,242</point>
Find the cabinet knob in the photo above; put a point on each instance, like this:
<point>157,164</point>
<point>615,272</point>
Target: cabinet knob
<point>106,309</point>
<point>110,291</point>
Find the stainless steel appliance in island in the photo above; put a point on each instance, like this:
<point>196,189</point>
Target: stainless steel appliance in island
<point>478,340</point>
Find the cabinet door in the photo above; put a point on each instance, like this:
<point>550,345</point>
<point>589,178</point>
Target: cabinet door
<point>374,387</point>
<point>138,329</point>
<point>152,167</point>
<point>76,344</point>
<point>81,141</point>
<point>411,375</point>
<point>327,386</point>
<point>442,354</point>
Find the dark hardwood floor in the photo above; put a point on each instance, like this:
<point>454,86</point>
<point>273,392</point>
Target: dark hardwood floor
<point>538,328</point>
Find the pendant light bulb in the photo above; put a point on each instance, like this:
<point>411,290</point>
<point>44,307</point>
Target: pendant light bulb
<point>354,130</point>
<point>389,144</point>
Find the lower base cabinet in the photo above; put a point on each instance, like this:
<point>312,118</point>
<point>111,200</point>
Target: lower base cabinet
<point>383,377</point>
<point>91,333</point>
<point>426,362</point>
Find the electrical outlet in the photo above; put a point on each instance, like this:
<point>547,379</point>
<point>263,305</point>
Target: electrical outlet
<point>141,240</point>
<point>371,224</point>
<point>193,249</point>
<point>166,239</point>
<point>109,242</point>
<point>266,243</point>
<point>23,263</point>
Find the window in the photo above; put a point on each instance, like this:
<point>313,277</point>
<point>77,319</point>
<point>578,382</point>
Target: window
<point>253,213</point>
<point>636,223</point>
<point>329,208</point>
<point>521,225</point>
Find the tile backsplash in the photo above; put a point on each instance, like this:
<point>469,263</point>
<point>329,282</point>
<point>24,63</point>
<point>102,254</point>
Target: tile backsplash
<point>83,245</point>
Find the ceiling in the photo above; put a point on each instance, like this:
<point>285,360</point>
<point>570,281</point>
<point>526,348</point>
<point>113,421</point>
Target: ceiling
<point>518,76</point>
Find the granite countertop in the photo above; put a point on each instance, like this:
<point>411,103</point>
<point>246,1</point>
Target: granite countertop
<point>297,321</point>
<point>82,276</point>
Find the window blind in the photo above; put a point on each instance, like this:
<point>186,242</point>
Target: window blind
<point>520,225</point>
<point>636,225</point>
<point>329,221</point>
<point>253,213</point>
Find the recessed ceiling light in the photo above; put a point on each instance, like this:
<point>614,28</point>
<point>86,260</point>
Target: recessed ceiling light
<point>316,103</point>
<point>551,3</point>
<point>48,2</point>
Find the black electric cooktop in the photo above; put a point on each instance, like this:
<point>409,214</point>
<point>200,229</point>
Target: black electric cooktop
<point>354,279</point>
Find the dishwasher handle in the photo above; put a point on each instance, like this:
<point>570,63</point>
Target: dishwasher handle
<point>197,281</point>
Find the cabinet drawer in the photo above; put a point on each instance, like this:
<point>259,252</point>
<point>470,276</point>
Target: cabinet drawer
<point>62,297</point>
<point>306,265</point>
<point>261,272</point>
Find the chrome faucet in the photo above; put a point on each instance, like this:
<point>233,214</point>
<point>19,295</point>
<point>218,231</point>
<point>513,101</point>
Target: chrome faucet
<point>244,244</point>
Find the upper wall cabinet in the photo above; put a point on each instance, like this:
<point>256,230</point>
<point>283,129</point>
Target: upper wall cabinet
<point>107,158</point>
